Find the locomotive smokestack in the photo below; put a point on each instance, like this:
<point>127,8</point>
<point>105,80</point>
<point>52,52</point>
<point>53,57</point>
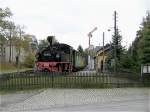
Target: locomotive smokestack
<point>50,40</point>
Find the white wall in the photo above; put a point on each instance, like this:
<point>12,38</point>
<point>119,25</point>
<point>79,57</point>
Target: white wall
<point>14,53</point>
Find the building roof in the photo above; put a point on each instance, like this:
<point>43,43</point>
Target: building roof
<point>97,48</point>
<point>107,48</point>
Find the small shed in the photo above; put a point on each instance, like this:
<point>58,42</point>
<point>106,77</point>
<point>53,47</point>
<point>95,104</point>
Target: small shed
<point>145,69</point>
<point>101,56</point>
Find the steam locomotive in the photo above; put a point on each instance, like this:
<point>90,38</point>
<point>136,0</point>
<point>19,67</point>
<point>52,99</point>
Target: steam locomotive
<point>59,57</point>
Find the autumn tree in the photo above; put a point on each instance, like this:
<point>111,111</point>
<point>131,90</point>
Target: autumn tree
<point>5,14</point>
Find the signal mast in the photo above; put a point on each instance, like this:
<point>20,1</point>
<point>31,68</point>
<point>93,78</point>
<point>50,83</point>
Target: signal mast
<point>90,60</point>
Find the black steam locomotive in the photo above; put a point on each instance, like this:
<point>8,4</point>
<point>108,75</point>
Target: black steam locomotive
<point>59,57</point>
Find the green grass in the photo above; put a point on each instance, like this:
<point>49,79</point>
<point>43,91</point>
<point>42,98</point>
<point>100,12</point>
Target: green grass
<point>7,68</point>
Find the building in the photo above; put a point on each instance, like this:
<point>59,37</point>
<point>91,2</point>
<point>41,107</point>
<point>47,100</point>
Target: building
<point>100,57</point>
<point>8,53</point>
<point>91,56</point>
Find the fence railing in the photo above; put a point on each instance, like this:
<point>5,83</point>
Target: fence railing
<point>31,80</point>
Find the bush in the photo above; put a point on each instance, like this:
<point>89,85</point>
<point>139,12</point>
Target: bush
<point>29,60</point>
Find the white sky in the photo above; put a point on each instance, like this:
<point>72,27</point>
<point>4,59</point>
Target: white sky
<point>71,20</point>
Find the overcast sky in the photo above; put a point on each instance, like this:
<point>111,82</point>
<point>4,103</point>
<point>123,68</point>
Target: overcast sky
<point>71,20</point>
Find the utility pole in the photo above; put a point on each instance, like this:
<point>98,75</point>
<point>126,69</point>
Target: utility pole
<point>115,34</point>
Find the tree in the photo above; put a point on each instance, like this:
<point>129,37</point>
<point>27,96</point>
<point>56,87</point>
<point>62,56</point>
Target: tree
<point>134,52</point>
<point>45,42</point>
<point>13,35</point>
<point>116,53</point>
<point>80,49</point>
<point>29,60</point>
<point>140,48</point>
<point>18,42</point>
<point>42,44</point>
<point>117,47</point>
<point>139,52</point>
<point>11,29</point>
<point>145,41</point>
<point>2,41</point>
<point>4,15</point>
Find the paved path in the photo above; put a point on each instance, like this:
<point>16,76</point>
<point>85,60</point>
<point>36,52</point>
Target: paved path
<point>81,100</point>
<point>16,97</point>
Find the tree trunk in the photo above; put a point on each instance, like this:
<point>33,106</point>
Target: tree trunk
<point>19,52</point>
<point>10,48</point>
<point>3,54</point>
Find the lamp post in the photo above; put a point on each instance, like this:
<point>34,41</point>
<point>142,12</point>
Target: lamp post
<point>104,49</point>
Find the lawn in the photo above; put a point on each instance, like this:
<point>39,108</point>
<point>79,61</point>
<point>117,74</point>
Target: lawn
<point>8,68</point>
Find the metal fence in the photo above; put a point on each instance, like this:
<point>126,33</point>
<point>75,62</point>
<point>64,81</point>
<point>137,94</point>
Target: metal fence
<point>31,80</point>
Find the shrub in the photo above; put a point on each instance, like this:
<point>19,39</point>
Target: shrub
<point>29,60</point>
